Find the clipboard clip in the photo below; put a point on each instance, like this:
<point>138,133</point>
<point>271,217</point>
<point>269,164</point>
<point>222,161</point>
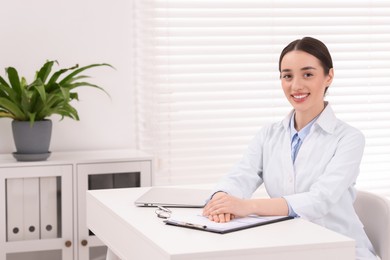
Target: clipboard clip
<point>185,224</point>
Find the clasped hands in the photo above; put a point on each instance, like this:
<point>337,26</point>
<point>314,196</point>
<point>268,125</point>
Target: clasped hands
<point>224,207</point>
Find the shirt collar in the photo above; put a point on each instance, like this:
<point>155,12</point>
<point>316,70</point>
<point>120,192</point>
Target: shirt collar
<point>304,131</point>
<point>326,120</point>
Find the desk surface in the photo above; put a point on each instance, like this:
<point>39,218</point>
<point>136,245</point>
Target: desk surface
<point>137,233</point>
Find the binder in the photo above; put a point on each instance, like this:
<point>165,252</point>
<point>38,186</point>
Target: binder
<point>48,207</point>
<point>200,222</point>
<point>14,209</point>
<point>31,228</point>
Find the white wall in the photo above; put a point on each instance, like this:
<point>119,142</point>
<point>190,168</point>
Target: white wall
<point>71,32</point>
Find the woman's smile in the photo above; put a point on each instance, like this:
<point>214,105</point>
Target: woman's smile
<point>300,97</point>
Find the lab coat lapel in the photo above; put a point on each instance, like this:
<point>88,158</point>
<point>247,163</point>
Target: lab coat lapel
<point>287,165</point>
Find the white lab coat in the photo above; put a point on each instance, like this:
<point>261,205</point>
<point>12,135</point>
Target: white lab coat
<point>319,187</point>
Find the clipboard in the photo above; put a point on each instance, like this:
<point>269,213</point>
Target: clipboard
<point>200,222</point>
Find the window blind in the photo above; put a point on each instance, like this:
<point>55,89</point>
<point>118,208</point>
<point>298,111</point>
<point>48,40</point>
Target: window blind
<point>207,78</point>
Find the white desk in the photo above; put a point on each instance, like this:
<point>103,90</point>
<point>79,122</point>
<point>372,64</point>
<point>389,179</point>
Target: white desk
<point>137,233</point>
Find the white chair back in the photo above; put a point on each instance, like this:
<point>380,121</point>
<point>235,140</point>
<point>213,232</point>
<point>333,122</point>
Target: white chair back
<point>374,212</point>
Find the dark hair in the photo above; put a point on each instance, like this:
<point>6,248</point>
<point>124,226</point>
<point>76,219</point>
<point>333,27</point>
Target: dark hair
<point>312,46</point>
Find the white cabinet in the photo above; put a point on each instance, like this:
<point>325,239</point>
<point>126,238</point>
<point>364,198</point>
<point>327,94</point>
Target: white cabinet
<point>104,176</point>
<point>16,232</point>
<point>42,204</point>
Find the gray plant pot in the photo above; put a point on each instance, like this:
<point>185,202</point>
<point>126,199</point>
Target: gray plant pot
<point>32,142</point>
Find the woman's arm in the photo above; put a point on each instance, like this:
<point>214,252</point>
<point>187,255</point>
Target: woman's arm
<point>223,207</point>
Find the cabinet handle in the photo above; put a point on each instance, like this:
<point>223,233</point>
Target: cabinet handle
<point>84,242</point>
<point>68,243</point>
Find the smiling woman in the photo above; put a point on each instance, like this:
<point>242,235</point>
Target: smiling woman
<point>308,162</point>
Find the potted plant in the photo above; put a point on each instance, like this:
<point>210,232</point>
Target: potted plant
<point>30,105</point>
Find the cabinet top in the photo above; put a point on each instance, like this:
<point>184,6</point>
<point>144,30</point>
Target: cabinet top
<point>71,157</point>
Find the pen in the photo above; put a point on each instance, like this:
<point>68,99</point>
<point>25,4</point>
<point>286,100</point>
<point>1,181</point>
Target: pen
<point>186,224</point>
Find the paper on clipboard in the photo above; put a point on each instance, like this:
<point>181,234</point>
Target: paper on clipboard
<point>197,221</point>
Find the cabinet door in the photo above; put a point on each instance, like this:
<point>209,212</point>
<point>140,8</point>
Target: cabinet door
<point>104,176</point>
<point>36,213</point>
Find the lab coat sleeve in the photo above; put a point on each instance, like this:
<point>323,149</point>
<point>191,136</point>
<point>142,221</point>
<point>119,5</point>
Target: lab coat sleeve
<point>340,174</point>
<point>246,176</point>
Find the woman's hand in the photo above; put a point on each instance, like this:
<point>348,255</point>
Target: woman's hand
<point>223,208</point>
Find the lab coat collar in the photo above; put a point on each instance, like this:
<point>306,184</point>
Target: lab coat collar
<point>326,121</point>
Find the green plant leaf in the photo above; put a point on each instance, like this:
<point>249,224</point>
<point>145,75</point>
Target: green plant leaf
<point>31,116</point>
<point>13,109</point>
<point>7,91</point>
<point>74,73</point>
<point>3,82</point>
<point>53,88</point>
<point>65,93</point>
<point>79,77</point>
<point>6,114</point>
<point>44,72</point>
<point>66,110</point>
<point>53,79</point>
<point>14,79</point>
<point>74,95</point>
<point>45,110</point>
<point>86,84</point>
<point>69,111</point>
<point>39,100</point>
<point>40,87</point>
<point>25,100</point>
<point>3,91</point>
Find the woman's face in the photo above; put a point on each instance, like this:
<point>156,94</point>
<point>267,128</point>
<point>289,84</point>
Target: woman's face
<point>304,82</point>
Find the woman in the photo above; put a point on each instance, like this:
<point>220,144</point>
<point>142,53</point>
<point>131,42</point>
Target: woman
<point>308,163</point>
